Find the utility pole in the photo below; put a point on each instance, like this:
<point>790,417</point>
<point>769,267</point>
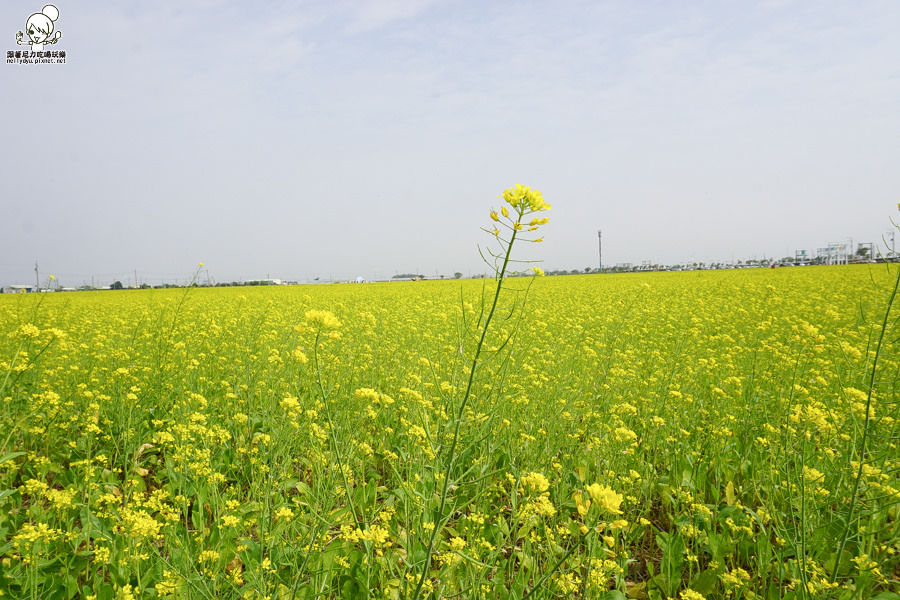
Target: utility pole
<point>37,278</point>
<point>600,248</point>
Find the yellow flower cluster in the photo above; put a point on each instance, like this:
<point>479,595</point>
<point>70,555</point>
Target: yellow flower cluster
<point>524,196</point>
<point>605,498</point>
<point>322,319</point>
<point>524,201</point>
<point>536,482</point>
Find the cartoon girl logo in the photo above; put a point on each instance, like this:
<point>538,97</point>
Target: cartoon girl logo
<point>40,29</point>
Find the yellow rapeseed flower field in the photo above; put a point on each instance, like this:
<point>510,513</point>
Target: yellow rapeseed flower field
<point>706,434</point>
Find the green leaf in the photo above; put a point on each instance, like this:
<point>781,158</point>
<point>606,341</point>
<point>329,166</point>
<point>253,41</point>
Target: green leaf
<point>504,527</point>
<point>526,562</point>
<point>106,592</point>
<point>57,590</point>
<point>636,591</point>
<point>288,484</point>
<point>11,456</point>
<point>705,582</point>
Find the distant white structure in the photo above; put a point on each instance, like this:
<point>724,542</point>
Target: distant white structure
<point>18,289</point>
<point>836,253</point>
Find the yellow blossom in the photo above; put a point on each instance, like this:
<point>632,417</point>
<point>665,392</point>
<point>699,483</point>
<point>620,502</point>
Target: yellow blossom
<point>535,482</point>
<point>607,499</point>
<point>323,319</point>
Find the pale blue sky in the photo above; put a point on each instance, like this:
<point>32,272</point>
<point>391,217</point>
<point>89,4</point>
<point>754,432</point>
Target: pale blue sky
<point>333,138</point>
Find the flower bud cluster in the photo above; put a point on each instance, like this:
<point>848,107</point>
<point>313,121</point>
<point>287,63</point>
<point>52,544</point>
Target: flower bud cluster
<point>524,201</point>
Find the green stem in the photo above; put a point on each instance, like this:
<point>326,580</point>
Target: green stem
<point>451,456</point>
<point>556,567</point>
<point>803,573</point>
<point>11,367</point>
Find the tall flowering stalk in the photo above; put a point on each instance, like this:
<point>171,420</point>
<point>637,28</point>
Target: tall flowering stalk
<point>521,202</point>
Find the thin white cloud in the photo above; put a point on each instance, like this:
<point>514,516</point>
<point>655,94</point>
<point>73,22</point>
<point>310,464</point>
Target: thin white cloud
<point>369,15</point>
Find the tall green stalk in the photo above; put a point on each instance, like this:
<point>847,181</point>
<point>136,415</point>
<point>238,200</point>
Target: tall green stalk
<point>524,201</point>
<point>451,456</point>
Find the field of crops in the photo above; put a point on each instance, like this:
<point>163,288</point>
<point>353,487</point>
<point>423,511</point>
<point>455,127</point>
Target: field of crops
<point>666,435</point>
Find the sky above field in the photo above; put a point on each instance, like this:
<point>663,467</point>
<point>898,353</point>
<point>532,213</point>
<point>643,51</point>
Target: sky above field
<point>337,139</point>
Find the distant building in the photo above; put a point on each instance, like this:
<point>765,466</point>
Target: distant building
<point>18,289</point>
